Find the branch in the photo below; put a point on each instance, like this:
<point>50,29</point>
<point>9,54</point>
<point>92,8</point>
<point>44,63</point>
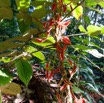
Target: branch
<point>82,34</point>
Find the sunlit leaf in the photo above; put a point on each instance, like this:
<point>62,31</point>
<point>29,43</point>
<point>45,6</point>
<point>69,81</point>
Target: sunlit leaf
<point>35,52</point>
<point>24,70</point>
<point>5,59</point>
<point>39,55</point>
<point>82,29</point>
<point>101,4</point>
<point>77,12</point>
<point>49,41</point>
<point>93,30</point>
<point>102,30</point>
<point>23,5</point>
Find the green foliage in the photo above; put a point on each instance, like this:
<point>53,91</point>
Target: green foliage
<point>42,34</point>
<point>5,77</point>
<point>24,70</point>
<point>49,42</point>
<point>35,52</point>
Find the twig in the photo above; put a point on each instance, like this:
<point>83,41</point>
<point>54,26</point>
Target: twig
<point>82,34</point>
<point>91,62</point>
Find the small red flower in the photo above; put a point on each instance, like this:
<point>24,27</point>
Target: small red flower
<point>66,40</point>
<point>54,7</point>
<point>64,8</point>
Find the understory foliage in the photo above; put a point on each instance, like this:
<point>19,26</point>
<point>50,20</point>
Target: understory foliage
<point>63,37</point>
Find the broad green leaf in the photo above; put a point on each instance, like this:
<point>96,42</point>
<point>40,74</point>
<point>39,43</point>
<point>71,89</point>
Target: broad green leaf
<point>30,49</point>
<point>6,13</point>
<point>101,4</point>
<point>37,24</point>
<point>24,70</point>
<point>41,2</point>
<point>7,45</point>
<point>23,5</point>
<point>11,89</point>
<point>4,77</point>
<point>77,90</point>
<point>39,12</point>
<point>82,29</point>
<point>39,55</point>
<point>93,30</point>
<point>35,52</point>
<point>25,17</point>
<point>77,12</point>
<point>50,40</point>
<point>5,3</point>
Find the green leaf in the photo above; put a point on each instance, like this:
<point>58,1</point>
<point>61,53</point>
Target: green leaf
<point>5,3</point>
<point>101,4</point>
<point>39,55</point>
<point>5,77</point>
<point>5,59</point>
<point>93,30</point>
<point>77,90</point>
<point>82,29</point>
<point>39,12</point>
<point>23,5</point>
<point>24,70</point>
<point>35,52</point>
<point>6,13</point>
<point>40,2</point>
<point>50,40</point>
<point>25,17</point>
<point>91,2</point>
<point>7,45</point>
<point>102,30</point>
<point>77,12</point>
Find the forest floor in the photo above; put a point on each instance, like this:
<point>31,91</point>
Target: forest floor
<point>40,90</point>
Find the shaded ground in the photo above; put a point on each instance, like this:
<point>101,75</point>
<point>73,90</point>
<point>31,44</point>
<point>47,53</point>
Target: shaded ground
<point>40,90</point>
